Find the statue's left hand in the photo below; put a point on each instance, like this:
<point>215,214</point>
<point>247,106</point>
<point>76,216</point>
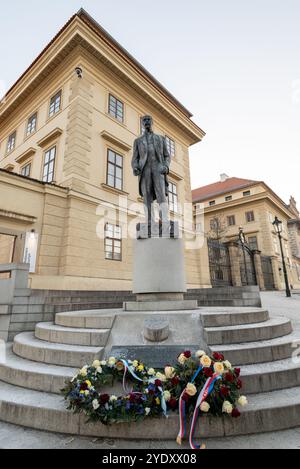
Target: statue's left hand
<point>164,170</point>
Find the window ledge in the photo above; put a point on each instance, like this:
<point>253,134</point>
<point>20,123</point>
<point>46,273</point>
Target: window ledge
<point>115,141</point>
<point>25,155</point>
<point>113,189</point>
<point>49,137</point>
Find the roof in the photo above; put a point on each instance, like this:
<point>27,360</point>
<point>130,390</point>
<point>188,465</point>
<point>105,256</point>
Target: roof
<point>43,183</point>
<point>221,187</point>
<point>91,23</point>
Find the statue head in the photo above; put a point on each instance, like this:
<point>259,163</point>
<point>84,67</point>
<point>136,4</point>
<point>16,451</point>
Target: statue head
<point>147,122</point>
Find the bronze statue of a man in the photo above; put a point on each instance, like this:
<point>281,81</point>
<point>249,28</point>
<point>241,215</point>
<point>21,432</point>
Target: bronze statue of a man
<point>151,162</point>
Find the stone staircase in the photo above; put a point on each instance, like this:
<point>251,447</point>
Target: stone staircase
<point>37,365</point>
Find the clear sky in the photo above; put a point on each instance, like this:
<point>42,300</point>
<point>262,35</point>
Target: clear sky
<point>234,64</point>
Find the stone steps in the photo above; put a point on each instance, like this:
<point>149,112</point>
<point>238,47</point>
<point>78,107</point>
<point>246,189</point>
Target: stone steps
<point>96,319</point>
<point>236,317</point>
<point>272,328</point>
<point>258,352</point>
<point>31,375</point>
<point>26,345</point>
<point>44,411</point>
<point>70,335</point>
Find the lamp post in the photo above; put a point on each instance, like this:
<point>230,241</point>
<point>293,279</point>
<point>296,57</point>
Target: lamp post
<point>243,242</point>
<point>278,228</point>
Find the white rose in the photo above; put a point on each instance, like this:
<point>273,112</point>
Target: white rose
<point>96,363</point>
<point>147,410</point>
<point>160,376</point>
<point>167,396</point>
<point>113,398</point>
<point>96,404</point>
<point>243,401</point>
<point>227,364</point>
<point>99,369</point>
<point>199,353</point>
<point>103,362</point>
<point>83,372</point>
<point>182,359</point>
<point>135,363</point>
<point>205,361</point>
<point>111,361</point>
<point>191,389</point>
<point>219,368</point>
<point>151,372</point>
<point>204,407</point>
<point>169,371</point>
<point>227,407</point>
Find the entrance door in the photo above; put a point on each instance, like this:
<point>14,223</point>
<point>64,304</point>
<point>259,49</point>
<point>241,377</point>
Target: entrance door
<point>266,265</point>
<point>219,264</point>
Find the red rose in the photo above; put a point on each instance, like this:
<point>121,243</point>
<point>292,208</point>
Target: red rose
<point>157,382</point>
<point>187,354</point>
<point>185,397</point>
<point>83,387</point>
<point>104,398</point>
<point>237,371</point>
<point>172,403</point>
<point>235,413</point>
<point>218,356</point>
<point>239,384</point>
<point>208,372</point>
<point>224,391</point>
<point>175,381</point>
<point>229,377</point>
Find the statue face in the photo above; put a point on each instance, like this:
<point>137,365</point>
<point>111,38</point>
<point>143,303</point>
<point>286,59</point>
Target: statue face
<point>147,122</point>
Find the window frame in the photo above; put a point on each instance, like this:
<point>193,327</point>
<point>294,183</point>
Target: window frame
<point>58,93</point>
<point>229,218</point>
<point>114,240</point>
<point>115,166</point>
<point>211,203</point>
<point>113,113</point>
<point>228,198</point>
<point>256,243</point>
<point>171,145</point>
<point>9,147</point>
<point>28,163</point>
<point>27,134</point>
<point>173,197</point>
<point>53,147</point>
<point>247,193</point>
<point>252,216</point>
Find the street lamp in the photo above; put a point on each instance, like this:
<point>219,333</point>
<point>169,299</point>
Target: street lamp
<point>278,228</point>
<point>243,242</point>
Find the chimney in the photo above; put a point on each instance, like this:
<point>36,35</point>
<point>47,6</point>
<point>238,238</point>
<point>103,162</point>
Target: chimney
<point>223,177</point>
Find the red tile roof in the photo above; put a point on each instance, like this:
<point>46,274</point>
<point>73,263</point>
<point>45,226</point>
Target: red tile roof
<point>220,187</point>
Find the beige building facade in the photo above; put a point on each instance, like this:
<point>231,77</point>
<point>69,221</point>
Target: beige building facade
<point>232,203</point>
<point>67,192</point>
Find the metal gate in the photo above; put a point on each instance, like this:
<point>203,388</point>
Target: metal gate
<point>247,268</point>
<point>266,265</point>
<point>219,264</point>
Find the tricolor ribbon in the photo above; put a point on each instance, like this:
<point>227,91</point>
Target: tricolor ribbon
<point>129,368</point>
<point>204,393</point>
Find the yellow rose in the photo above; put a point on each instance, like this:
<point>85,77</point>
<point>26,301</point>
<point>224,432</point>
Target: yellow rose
<point>182,359</point>
<point>96,363</point>
<point>111,361</point>
<point>169,371</point>
<point>160,376</point>
<point>243,401</point>
<point>135,363</point>
<point>167,396</point>
<point>191,389</point>
<point>83,372</point>
<point>140,367</point>
<point>204,407</point>
<point>227,407</point>
<point>199,353</point>
<point>219,368</point>
<point>205,361</point>
<point>88,383</point>
<point>151,372</point>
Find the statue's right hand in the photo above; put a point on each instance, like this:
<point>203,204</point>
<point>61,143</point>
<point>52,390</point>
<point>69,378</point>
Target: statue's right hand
<point>136,171</point>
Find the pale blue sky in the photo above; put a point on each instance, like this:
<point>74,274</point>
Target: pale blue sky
<point>235,64</point>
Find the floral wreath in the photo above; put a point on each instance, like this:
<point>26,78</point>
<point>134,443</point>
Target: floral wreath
<point>194,386</point>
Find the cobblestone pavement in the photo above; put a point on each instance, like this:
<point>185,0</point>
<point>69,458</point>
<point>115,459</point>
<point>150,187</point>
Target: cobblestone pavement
<point>12,436</point>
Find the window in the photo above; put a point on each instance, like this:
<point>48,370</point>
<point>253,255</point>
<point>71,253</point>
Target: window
<point>11,143</point>
<point>250,216</point>
<point>48,174</point>
<point>116,108</point>
<point>246,193</point>
<point>55,103</point>
<point>252,242</point>
<point>173,197</point>
<point>114,170</point>
<point>171,146</point>
<point>215,224</point>
<point>212,202</point>
<point>228,197</point>
<point>231,220</point>
<point>113,242</point>
<point>31,124</point>
<point>25,170</point>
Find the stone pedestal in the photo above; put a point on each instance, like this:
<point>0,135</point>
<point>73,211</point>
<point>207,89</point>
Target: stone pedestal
<point>158,266</point>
